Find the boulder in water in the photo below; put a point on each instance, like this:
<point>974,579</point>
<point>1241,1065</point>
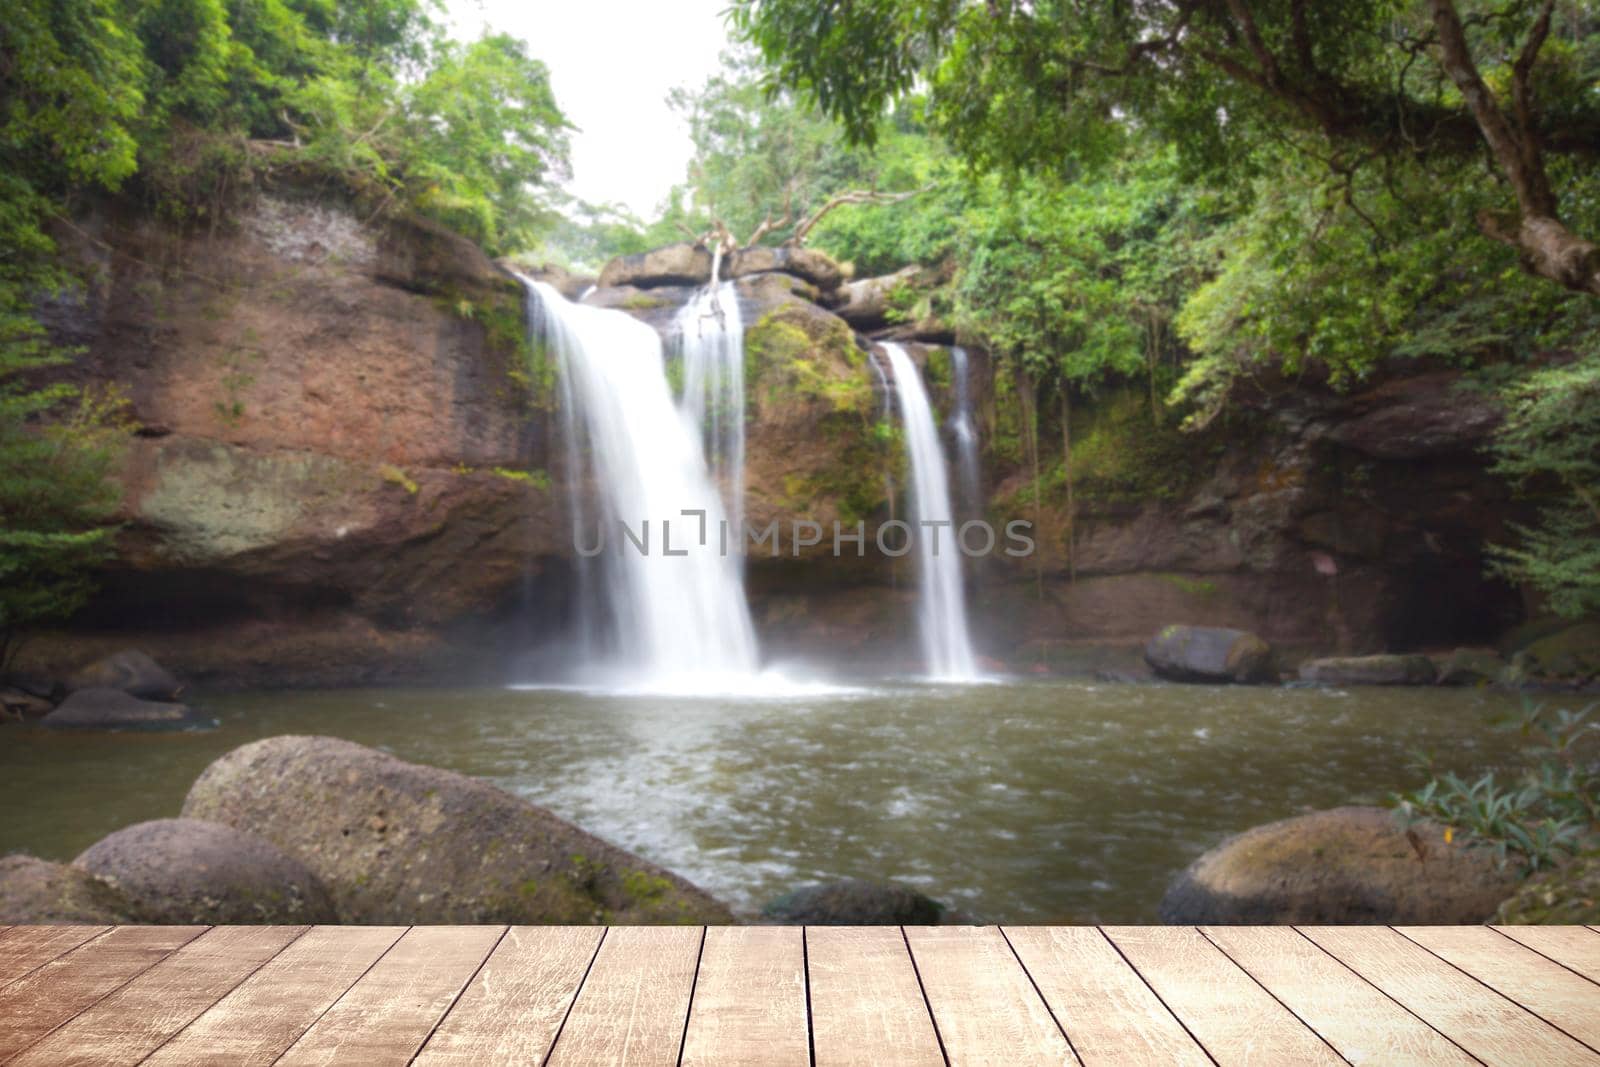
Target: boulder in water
<point>38,891</point>
<point>180,871</point>
<point>1345,865</point>
<point>1567,657</point>
<point>131,671</point>
<point>396,842</point>
<point>1369,670</point>
<point>1209,654</point>
<point>854,902</point>
<point>1471,666</point>
<point>679,264</point>
<point>112,709</point>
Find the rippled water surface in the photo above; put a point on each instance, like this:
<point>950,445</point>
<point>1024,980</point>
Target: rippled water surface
<point>1022,802</point>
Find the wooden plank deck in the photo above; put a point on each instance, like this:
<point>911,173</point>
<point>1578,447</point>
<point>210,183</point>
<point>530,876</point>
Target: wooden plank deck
<point>792,995</point>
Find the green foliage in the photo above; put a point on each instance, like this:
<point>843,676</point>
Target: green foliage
<point>1549,445</point>
<point>1550,812</point>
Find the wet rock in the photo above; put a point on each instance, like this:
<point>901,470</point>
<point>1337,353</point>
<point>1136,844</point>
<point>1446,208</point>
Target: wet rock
<point>807,264</point>
<point>1345,865</point>
<point>1414,418</point>
<point>1369,670</point>
<point>679,264</point>
<point>112,709</point>
<point>1471,666</point>
<point>16,704</point>
<point>37,891</point>
<point>179,871</point>
<point>396,842</point>
<point>131,671</point>
<point>1570,656</point>
<point>562,280</point>
<point>1209,654</point>
<point>1524,634</point>
<point>854,902</point>
<point>1567,895</point>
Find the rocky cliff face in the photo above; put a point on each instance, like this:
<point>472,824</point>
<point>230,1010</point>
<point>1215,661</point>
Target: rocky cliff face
<point>346,471</point>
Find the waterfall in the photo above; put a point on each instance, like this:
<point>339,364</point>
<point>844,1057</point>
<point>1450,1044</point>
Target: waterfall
<point>677,622</point>
<point>969,503</point>
<point>942,612</point>
<point>710,339</point>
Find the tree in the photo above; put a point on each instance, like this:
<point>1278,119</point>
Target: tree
<point>1037,82</point>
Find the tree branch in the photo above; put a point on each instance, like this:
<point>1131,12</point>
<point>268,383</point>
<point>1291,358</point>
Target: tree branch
<point>854,196</point>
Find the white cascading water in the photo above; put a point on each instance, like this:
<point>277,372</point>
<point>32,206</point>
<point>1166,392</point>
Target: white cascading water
<point>942,610</point>
<point>965,433</point>
<point>680,622</point>
<point>710,334</point>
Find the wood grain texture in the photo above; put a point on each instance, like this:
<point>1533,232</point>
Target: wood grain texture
<point>129,1024</point>
<point>1564,1000</point>
<point>386,1016</point>
<point>1475,1017</point>
<point>33,1006</point>
<point>26,948</point>
<point>1107,1010</point>
<point>1236,1020</point>
<point>268,1011</point>
<point>983,1003</point>
<point>1574,947</point>
<point>633,1005</point>
<point>749,1004</point>
<point>512,1009</point>
<point>1349,1013</point>
<point>866,1005</point>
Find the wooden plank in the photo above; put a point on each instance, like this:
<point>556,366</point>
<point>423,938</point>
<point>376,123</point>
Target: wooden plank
<point>511,1011</point>
<point>1475,1017</point>
<point>129,1024</point>
<point>749,1004</point>
<point>33,1006</point>
<point>268,1011</point>
<point>1234,1018</point>
<point>633,1004</point>
<point>983,1003</point>
<point>1108,1012</point>
<point>27,948</point>
<point>1564,1000</point>
<point>1349,1013</point>
<point>866,1005</point>
<point>386,1016</point>
<point>1574,947</point>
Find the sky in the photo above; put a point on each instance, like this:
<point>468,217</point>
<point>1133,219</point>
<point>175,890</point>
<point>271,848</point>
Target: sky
<point>612,63</point>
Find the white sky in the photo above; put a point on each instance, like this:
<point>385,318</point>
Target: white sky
<point>611,64</point>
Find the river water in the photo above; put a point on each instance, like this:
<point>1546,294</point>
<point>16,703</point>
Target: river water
<point>1025,802</point>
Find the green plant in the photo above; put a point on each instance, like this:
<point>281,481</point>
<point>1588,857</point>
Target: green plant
<point>1546,814</point>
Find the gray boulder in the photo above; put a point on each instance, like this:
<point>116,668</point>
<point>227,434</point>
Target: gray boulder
<point>180,871</point>
<point>679,264</point>
<point>1344,865</point>
<point>854,902</point>
<point>1369,670</point>
<point>865,304</point>
<point>1209,654</point>
<point>112,709</point>
<point>396,842</point>
<point>1471,666</point>
<point>131,671</point>
<point>807,264</point>
<point>38,891</point>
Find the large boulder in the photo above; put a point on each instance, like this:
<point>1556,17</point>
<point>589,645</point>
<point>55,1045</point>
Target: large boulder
<point>865,304</point>
<point>37,891</point>
<point>1209,654</point>
<point>1569,895</point>
<point>131,671</point>
<point>1471,666</point>
<point>396,842</point>
<point>1345,865</point>
<point>807,264</point>
<point>679,264</point>
<point>1369,670</point>
<point>1569,656</point>
<point>179,871</point>
<point>854,902</point>
<point>112,709</point>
